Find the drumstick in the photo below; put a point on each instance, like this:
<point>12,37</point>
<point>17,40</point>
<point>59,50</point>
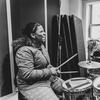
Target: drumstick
<point>68,72</point>
<point>78,79</point>
<point>79,85</point>
<point>67,61</point>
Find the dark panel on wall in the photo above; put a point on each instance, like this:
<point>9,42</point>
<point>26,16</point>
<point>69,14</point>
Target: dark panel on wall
<point>66,52</point>
<point>15,16</point>
<point>68,49</point>
<point>53,8</point>
<point>73,34</point>
<point>23,12</point>
<point>74,44</point>
<point>31,11</point>
<point>76,28</point>
<point>68,45</point>
<point>5,74</point>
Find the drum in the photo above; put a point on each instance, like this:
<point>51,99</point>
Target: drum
<point>96,88</point>
<point>94,73</point>
<point>79,88</point>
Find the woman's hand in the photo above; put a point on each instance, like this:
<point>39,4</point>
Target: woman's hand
<point>58,71</point>
<point>54,71</point>
<point>57,85</point>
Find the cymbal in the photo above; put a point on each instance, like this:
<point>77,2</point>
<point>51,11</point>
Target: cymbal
<point>89,65</point>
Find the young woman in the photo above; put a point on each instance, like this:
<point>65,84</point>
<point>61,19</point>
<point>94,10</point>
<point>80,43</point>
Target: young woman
<point>36,76</point>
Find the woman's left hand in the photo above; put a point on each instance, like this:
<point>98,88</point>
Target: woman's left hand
<point>58,71</point>
<point>57,85</point>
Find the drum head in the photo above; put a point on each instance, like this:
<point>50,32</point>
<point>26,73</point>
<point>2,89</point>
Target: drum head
<point>96,83</point>
<point>77,84</point>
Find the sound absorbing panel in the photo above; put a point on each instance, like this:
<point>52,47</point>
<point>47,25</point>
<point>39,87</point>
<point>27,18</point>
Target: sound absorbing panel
<point>73,34</point>
<point>69,47</point>
<point>66,50</point>
<point>73,30</point>
<point>77,29</point>
<point>72,43</point>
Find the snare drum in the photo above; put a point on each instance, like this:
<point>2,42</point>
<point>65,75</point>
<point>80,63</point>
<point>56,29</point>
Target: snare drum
<point>96,88</point>
<point>79,88</point>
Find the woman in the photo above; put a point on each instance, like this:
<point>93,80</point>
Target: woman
<point>35,75</point>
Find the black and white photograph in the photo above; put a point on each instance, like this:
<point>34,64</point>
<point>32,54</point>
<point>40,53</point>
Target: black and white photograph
<point>49,49</point>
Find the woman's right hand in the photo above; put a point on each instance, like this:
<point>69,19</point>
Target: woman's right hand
<point>54,71</point>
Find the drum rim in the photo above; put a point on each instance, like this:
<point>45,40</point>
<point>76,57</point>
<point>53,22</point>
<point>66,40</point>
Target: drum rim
<point>77,90</point>
<point>95,86</point>
<point>82,90</point>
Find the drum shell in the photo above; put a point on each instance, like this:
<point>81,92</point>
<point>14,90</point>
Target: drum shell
<point>79,95</point>
<point>83,94</point>
<point>96,92</point>
<point>96,89</point>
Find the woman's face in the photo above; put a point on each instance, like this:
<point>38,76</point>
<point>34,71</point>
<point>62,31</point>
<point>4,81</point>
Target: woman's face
<point>40,35</point>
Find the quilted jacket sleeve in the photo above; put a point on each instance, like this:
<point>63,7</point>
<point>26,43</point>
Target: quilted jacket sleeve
<point>25,62</point>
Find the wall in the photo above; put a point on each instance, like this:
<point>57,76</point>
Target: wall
<point>24,12</point>
<point>75,7</point>
<point>71,7</point>
<point>64,8</point>
<point>84,18</point>
<point>5,78</point>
